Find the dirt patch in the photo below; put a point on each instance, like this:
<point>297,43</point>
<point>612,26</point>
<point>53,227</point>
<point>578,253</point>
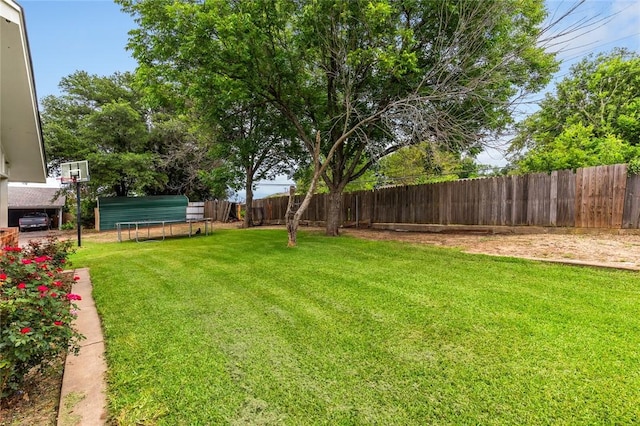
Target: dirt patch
<point>37,403</point>
<point>601,249</point>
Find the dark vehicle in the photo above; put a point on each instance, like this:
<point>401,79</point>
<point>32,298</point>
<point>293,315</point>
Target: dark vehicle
<point>35,220</point>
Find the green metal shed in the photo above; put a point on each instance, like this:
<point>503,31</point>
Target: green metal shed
<point>112,210</point>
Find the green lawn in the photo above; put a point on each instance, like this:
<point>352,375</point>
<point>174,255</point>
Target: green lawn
<point>235,328</point>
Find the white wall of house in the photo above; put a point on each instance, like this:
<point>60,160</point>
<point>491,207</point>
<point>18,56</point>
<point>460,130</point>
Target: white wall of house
<point>22,156</point>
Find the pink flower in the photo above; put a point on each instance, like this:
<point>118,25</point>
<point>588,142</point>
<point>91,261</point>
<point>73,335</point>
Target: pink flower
<point>42,259</point>
<point>25,330</point>
<point>43,288</point>
<point>76,278</point>
<point>10,248</point>
<point>58,323</point>
<point>26,261</point>
<point>72,296</point>
<point>3,277</point>
<point>53,294</point>
<point>21,286</point>
<point>57,283</point>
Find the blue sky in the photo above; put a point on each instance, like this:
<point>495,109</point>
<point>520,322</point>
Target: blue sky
<point>66,36</point>
<point>91,35</point>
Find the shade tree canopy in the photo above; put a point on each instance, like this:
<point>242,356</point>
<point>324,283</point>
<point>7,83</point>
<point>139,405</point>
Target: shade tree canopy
<point>131,149</point>
<point>252,144</point>
<point>355,80</point>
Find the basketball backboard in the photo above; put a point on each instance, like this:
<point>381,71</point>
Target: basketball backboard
<point>74,171</point>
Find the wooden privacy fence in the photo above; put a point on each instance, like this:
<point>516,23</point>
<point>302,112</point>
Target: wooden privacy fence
<point>217,210</point>
<point>594,197</point>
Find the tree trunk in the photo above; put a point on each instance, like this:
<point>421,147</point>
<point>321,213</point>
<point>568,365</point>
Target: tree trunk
<point>334,210</point>
<point>292,219</point>
<point>248,216</point>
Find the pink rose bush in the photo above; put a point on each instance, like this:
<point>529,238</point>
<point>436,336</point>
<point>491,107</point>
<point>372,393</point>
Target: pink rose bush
<point>37,308</point>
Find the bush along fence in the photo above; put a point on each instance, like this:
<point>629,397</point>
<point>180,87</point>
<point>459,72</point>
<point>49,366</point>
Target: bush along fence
<point>594,197</point>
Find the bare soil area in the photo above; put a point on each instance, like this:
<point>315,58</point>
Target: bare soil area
<point>598,249</point>
<point>37,403</point>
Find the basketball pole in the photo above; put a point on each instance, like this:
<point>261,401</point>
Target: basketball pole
<point>78,213</point>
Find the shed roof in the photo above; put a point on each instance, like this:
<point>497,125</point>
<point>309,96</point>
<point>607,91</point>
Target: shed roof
<point>25,197</point>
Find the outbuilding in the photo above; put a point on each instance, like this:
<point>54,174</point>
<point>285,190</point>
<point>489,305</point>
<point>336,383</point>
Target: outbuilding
<point>159,208</point>
<point>26,199</point>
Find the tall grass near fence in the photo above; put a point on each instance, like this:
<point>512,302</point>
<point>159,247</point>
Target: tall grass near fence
<point>235,328</point>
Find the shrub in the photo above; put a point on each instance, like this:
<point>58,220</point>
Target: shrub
<point>36,310</point>
<point>57,250</point>
<point>634,167</point>
<point>68,226</point>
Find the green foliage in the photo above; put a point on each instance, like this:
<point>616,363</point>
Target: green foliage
<point>252,144</point>
<point>424,163</point>
<point>633,168</point>
<point>347,331</point>
<point>36,310</point>
<point>68,226</point>
<point>592,119</point>
<point>57,251</point>
<point>370,77</point>
<point>101,120</point>
<point>220,180</point>
<point>131,149</point>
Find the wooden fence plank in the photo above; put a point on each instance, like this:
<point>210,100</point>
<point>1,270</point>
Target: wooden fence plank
<point>553,196</point>
<point>579,199</point>
<point>566,215</point>
<point>619,190</point>
<point>631,217</point>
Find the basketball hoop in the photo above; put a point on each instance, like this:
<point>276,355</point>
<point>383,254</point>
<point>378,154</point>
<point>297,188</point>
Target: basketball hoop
<point>68,180</point>
<point>75,172</point>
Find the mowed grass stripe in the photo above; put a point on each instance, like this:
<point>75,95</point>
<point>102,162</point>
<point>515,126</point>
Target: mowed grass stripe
<point>237,328</point>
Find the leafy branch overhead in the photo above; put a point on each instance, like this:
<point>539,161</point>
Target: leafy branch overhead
<point>370,77</point>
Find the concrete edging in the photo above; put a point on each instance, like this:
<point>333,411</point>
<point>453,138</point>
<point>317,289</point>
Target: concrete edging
<point>83,397</point>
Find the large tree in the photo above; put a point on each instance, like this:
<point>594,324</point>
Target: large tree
<point>592,118</point>
<point>183,145</point>
<point>130,149</point>
<point>356,79</point>
<point>253,142</point>
<point>252,145</point>
<point>99,119</point>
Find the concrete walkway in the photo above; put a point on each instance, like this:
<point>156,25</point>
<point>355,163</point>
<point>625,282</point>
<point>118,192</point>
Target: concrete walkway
<point>83,398</point>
